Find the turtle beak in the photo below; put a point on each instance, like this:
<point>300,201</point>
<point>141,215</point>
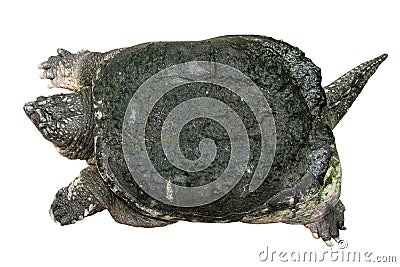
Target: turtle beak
<point>31,113</point>
<point>34,113</point>
<point>37,113</point>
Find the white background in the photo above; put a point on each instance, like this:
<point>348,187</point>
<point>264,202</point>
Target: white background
<point>336,35</point>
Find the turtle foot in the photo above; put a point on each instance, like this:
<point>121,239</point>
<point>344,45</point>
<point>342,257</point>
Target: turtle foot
<point>63,70</point>
<point>76,201</point>
<point>328,226</point>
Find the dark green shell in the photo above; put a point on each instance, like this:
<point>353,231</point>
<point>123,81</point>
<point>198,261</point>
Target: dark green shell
<point>289,81</point>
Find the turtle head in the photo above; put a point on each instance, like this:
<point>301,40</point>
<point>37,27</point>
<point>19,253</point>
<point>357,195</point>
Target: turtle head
<point>66,121</point>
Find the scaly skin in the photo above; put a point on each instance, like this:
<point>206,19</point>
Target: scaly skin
<point>74,71</point>
<point>341,93</point>
<point>66,120</point>
<point>87,195</point>
<point>322,211</point>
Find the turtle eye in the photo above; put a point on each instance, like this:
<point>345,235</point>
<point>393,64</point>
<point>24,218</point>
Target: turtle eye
<point>40,98</point>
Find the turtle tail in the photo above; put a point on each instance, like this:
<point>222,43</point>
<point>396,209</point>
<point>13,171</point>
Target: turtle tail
<point>341,93</point>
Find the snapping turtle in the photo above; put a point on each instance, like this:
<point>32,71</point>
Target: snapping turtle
<point>234,128</point>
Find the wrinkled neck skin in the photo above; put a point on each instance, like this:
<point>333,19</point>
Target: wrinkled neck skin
<point>80,143</point>
<point>66,120</point>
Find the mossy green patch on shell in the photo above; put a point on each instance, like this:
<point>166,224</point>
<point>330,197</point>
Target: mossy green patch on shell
<point>315,206</point>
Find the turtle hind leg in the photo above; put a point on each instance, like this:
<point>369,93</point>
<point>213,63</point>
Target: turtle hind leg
<point>84,196</point>
<point>328,226</point>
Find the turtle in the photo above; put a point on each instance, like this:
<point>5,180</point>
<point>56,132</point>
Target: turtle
<point>235,128</point>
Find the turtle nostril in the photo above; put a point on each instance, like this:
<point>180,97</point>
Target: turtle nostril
<point>35,118</point>
<point>28,108</point>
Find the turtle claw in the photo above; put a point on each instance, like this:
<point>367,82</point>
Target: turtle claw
<point>315,235</point>
<point>51,213</point>
<point>47,74</point>
<point>44,65</point>
<point>327,242</point>
<point>63,52</point>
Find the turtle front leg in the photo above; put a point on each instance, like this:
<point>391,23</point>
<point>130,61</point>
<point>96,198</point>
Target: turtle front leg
<point>89,194</point>
<point>73,71</point>
<point>84,196</point>
<point>329,225</point>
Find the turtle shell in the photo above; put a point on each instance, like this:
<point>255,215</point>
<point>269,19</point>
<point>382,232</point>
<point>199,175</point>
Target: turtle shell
<point>205,130</point>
